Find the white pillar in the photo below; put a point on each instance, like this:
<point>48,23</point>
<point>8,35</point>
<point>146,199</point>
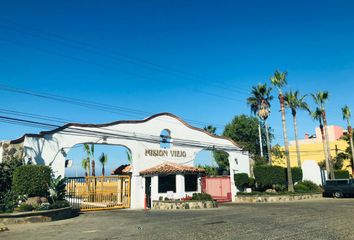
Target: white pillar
<point>180,190</point>
<point>136,192</point>
<point>155,187</point>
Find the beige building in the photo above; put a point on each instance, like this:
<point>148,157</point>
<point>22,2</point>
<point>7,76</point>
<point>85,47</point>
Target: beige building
<point>311,147</point>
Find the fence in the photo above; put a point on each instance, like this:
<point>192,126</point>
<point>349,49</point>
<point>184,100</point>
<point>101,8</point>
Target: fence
<point>94,193</point>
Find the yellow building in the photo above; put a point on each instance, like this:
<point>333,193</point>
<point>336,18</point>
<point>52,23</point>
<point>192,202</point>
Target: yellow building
<point>311,148</point>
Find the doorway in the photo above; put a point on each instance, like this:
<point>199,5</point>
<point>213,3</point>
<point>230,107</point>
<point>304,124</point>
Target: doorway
<point>148,192</point>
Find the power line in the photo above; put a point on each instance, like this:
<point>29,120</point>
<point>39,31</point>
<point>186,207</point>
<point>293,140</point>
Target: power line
<point>91,104</point>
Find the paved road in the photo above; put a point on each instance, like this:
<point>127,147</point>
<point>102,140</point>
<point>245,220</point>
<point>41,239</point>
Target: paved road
<point>312,219</point>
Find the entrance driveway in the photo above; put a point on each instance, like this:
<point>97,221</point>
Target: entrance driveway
<point>312,219</point>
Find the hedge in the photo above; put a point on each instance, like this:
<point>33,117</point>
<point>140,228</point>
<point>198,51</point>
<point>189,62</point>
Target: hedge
<point>241,180</point>
<point>341,174</point>
<point>32,180</point>
<point>267,176</point>
<point>296,173</point>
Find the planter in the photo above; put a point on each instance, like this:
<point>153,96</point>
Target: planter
<point>36,216</point>
<point>275,198</point>
<point>190,204</point>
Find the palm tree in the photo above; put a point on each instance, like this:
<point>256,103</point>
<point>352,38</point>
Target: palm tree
<point>259,101</point>
<point>87,150</point>
<point>294,101</point>
<point>103,160</point>
<point>90,152</point>
<point>279,81</point>
<point>317,115</point>
<point>320,99</point>
<point>84,164</point>
<point>210,129</point>
<point>346,116</point>
<point>129,156</point>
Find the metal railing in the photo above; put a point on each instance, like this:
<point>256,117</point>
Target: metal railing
<point>95,193</point>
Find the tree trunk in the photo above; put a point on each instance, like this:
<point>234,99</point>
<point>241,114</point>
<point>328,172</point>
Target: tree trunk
<point>350,132</point>
<point>260,138</point>
<point>268,144</point>
<point>324,148</point>
<point>103,170</point>
<point>93,168</point>
<point>298,156</point>
<point>286,144</point>
<point>331,171</point>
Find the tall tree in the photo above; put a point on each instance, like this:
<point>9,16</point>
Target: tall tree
<point>346,116</point>
<point>279,81</point>
<point>243,130</point>
<point>129,156</point>
<point>90,152</point>
<point>259,102</point>
<point>87,150</point>
<point>93,164</point>
<point>103,160</point>
<point>295,102</point>
<point>320,98</point>
<point>84,164</point>
<point>210,129</point>
<point>317,115</point>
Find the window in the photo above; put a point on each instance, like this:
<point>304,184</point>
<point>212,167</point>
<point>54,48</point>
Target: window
<point>167,183</point>
<point>165,138</point>
<point>191,183</point>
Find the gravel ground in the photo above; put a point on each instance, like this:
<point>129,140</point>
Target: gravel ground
<point>307,219</point>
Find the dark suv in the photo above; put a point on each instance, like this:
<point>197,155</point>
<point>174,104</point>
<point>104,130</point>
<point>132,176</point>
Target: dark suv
<point>339,188</point>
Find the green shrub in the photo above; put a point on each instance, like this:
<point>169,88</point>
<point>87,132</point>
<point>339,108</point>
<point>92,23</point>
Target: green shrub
<point>57,189</point>
<point>201,197</point>
<point>209,170</point>
<point>241,180</point>
<point>267,176</point>
<point>25,208</point>
<point>32,180</point>
<point>59,204</point>
<point>296,173</point>
<point>341,174</point>
<point>7,197</point>
<point>307,187</point>
<point>251,182</point>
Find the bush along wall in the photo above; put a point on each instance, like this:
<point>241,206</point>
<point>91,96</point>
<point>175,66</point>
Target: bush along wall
<point>242,181</point>
<point>341,174</point>
<point>267,176</point>
<point>32,180</point>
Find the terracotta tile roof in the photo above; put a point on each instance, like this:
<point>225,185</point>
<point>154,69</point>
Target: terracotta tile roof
<point>123,169</point>
<point>168,168</point>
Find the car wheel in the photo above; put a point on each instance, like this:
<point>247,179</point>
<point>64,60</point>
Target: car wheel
<point>338,195</point>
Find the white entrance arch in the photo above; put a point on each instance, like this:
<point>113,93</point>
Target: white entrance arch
<point>143,139</point>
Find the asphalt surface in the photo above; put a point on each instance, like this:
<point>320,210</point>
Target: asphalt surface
<point>307,219</point>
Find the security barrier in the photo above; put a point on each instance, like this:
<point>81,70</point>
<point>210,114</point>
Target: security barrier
<point>98,193</point>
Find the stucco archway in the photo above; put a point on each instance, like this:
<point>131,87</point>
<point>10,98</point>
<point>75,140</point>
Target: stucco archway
<point>142,137</point>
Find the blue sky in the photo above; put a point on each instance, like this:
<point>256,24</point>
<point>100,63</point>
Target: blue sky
<point>196,59</point>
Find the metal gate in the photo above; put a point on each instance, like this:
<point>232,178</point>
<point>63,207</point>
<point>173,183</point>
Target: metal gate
<point>98,193</point>
<point>218,187</point>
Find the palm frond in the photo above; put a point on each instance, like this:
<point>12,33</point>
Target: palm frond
<point>346,112</point>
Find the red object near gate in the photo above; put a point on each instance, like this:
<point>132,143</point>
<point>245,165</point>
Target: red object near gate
<point>218,187</point>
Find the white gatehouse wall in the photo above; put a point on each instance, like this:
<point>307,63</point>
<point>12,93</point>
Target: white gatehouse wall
<point>142,139</point>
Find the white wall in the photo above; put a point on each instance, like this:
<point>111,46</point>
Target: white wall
<point>48,149</point>
<point>311,171</point>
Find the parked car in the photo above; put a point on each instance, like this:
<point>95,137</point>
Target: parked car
<point>339,188</point>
